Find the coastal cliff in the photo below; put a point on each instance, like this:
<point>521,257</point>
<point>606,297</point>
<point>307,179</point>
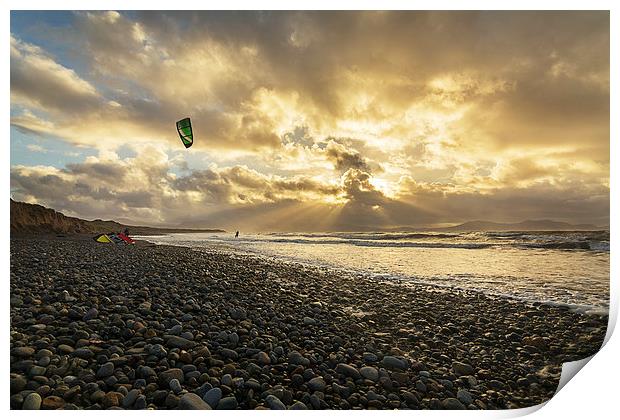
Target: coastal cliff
<point>33,219</point>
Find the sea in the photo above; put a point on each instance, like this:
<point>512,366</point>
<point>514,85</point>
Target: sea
<point>564,268</point>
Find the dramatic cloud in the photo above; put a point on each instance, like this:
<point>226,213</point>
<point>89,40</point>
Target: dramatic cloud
<point>368,118</point>
<point>344,158</point>
<point>39,82</point>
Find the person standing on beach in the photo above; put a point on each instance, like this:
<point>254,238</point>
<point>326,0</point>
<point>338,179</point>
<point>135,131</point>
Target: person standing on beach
<point>237,234</point>
<point>126,231</point>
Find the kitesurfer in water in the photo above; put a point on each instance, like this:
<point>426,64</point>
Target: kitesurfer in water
<point>237,234</point>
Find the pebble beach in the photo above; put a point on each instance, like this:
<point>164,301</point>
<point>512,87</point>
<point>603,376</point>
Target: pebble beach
<point>96,326</point>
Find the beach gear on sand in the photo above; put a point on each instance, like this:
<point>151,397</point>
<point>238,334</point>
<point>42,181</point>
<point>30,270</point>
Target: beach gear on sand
<point>103,238</point>
<point>184,128</point>
<point>116,239</point>
<point>112,238</point>
<point>126,238</point>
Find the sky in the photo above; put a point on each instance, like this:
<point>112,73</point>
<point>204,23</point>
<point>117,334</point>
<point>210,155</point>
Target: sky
<point>312,121</point>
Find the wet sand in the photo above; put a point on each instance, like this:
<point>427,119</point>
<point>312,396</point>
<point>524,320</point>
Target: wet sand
<point>105,326</point>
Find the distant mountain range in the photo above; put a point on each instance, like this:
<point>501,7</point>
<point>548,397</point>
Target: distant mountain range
<point>33,218</point>
<point>527,225</point>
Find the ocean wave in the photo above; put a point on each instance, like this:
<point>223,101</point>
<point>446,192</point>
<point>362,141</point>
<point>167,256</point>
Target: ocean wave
<point>370,236</point>
<point>568,245</point>
<point>374,243</point>
<point>560,245</point>
<point>599,246</point>
<point>463,244</point>
<point>424,244</point>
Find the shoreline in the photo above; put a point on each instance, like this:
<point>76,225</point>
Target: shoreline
<point>265,335</point>
<point>384,278</point>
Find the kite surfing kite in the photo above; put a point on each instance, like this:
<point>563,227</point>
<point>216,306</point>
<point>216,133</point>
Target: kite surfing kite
<point>184,128</point>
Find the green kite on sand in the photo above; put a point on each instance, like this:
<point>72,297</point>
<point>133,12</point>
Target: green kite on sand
<point>184,128</point>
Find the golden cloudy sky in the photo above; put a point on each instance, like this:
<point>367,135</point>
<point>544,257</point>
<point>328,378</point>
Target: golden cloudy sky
<point>312,120</point>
